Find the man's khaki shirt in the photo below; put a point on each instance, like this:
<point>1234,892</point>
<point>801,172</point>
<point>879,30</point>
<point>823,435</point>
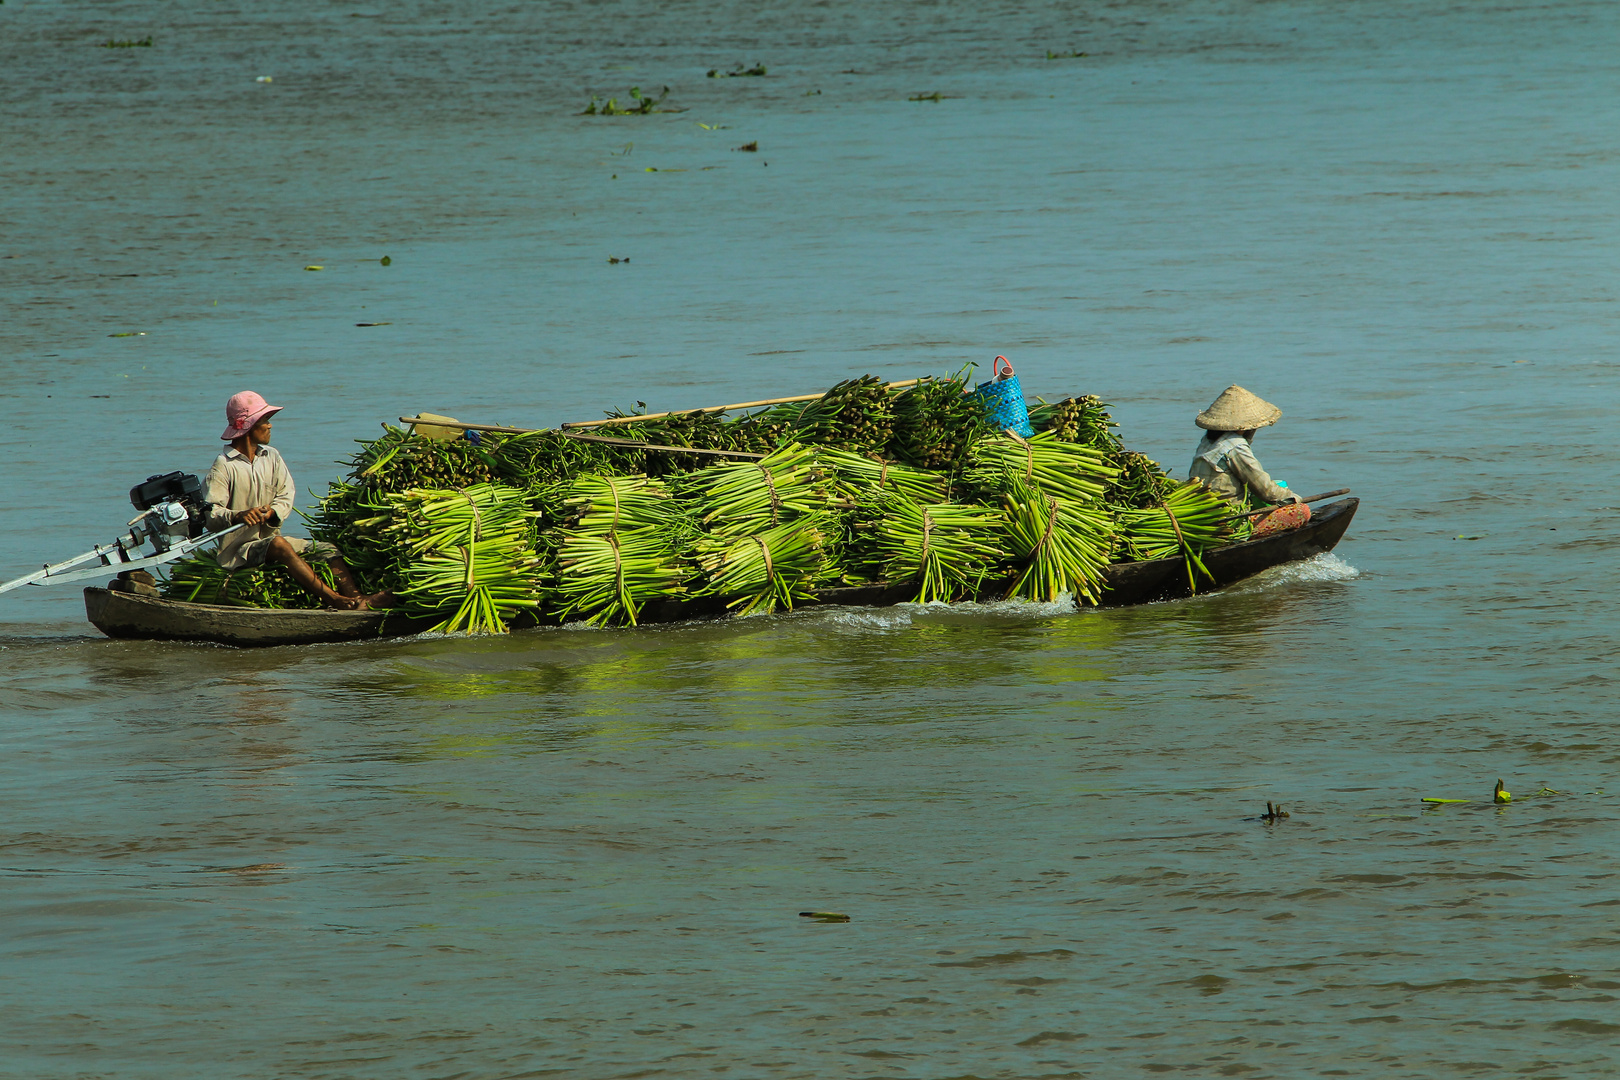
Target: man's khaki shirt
<point>234,483</point>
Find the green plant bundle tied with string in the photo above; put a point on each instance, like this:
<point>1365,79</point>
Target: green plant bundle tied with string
<point>401,459</point>
<point>1061,545</point>
<point>857,475</point>
<point>1192,520</point>
<point>749,497</point>
<point>945,549</point>
<point>937,423</point>
<point>598,505</point>
<point>624,543</point>
<point>610,576</point>
<point>1141,484</point>
<point>199,579</point>
<point>1067,470</point>
<point>856,414</point>
<point>759,432</point>
<point>1083,420</point>
<point>467,554</point>
<point>768,570</point>
<point>537,460</point>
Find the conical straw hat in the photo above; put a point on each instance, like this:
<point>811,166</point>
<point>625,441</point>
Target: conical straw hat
<point>1238,410</point>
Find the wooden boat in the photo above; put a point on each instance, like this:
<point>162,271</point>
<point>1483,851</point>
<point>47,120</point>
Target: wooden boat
<point>128,615</point>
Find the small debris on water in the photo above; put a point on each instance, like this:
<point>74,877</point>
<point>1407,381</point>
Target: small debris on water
<point>374,324</point>
<point>1481,536</point>
<point>935,96</point>
<point>750,147</point>
<point>1070,55</point>
<point>314,268</point>
<point>1273,814</point>
<point>614,260</point>
<point>824,916</point>
<point>130,333</point>
<point>264,78</point>
<point>386,261</point>
<point>143,43</point>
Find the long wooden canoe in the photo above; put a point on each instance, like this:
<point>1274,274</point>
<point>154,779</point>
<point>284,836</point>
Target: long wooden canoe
<point>128,615</point>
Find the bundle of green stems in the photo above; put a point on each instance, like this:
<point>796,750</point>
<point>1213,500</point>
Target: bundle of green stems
<point>945,549</point>
<point>199,579</point>
<point>624,543</point>
<point>1061,546</point>
<point>1191,520</point>
<point>1141,483</point>
<point>597,505</point>
<point>767,570</point>
<point>937,423</point>
<point>748,497</point>
<point>610,576</point>
<point>469,552</point>
<point>1084,420</point>
<point>857,414</point>
<point>1067,470</point>
<point>858,475</point>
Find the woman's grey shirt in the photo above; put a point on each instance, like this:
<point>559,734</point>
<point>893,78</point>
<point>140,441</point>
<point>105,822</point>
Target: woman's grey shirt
<point>1225,461</point>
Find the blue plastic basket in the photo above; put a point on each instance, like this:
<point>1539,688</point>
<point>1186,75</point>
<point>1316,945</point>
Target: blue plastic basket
<point>1003,400</point>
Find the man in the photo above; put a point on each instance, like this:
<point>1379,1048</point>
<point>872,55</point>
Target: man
<point>249,485</point>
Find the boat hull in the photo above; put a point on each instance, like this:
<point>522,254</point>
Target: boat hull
<point>149,618</point>
<point>126,615</point>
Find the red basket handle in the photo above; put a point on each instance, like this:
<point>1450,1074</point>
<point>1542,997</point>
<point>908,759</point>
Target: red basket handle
<point>1000,375</point>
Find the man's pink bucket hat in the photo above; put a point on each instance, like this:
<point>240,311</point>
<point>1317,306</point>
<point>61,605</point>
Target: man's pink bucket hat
<point>243,411</point>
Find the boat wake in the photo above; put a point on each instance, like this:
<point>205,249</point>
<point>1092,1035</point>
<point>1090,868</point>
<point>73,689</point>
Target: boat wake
<point>1324,567</point>
<point>900,616</point>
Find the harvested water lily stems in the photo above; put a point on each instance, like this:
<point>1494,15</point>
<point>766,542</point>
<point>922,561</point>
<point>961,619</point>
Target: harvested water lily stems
<point>858,475</point>
<point>610,577</point>
<point>1191,520</point>
<point>936,423</point>
<point>199,579</point>
<point>766,571</point>
<point>856,414</point>
<point>624,545</point>
<point>946,549</point>
<point>1068,470</point>
<point>470,552</point>
<point>1079,420</point>
<point>748,498</point>
<point>1063,545</point>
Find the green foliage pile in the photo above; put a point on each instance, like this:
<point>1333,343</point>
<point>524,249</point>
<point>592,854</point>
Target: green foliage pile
<point>199,579</point>
<point>864,484</point>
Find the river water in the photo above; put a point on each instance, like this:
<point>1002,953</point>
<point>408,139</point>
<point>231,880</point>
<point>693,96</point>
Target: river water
<point>581,853</point>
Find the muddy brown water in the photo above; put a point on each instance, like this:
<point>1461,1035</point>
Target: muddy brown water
<point>583,853</point>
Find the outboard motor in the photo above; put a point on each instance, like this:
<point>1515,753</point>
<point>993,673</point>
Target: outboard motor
<point>174,510</point>
<point>173,519</point>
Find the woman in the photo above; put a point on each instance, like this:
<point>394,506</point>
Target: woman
<point>1224,460</point>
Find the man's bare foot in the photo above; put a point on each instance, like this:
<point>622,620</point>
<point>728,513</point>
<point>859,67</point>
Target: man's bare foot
<point>377,601</point>
<point>338,602</point>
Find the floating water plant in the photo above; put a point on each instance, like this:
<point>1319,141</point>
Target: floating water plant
<point>143,43</point>
<point>738,72</point>
<point>643,105</point>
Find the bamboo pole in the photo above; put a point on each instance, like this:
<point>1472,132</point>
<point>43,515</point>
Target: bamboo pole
<point>716,408</point>
<point>633,443</point>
